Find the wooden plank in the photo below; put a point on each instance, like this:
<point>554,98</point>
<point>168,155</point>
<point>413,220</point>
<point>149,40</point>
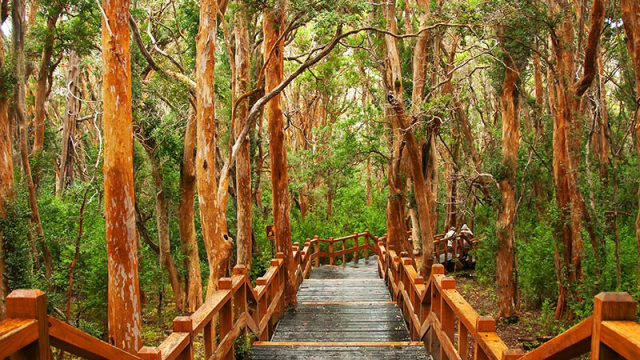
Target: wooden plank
<point>66,337</point>
<point>16,334</point>
<point>173,345</point>
<point>206,312</point>
<point>622,336</point>
<point>339,343</point>
<point>571,343</point>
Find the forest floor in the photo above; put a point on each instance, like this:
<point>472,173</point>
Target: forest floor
<point>532,327</point>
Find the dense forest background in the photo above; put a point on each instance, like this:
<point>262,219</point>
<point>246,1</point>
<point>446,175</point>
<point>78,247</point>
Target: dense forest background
<point>517,118</point>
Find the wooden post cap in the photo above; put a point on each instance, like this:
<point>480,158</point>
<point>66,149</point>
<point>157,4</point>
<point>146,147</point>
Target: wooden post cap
<point>25,303</point>
<point>150,353</point>
<point>279,255</point>
<point>437,269</point>
<point>404,253</point>
<point>396,259</point>
<point>275,262</point>
<point>512,354</point>
<point>303,253</point>
<point>316,237</point>
<point>615,306</point>
<point>407,261</point>
<point>366,231</point>
<point>261,281</point>
<point>225,284</point>
<point>419,280</point>
<point>240,270</point>
<point>448,283</point>
<point>485,324</point>
<point>183,324</point>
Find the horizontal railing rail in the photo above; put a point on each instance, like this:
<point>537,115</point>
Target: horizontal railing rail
<point>434,310</point>
<point>28,331</point>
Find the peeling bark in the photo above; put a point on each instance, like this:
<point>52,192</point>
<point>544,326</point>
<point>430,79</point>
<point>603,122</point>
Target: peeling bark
<point>122,248</point>
<point>69,124</point>
<point>273,25</point>
<point>186,213</point>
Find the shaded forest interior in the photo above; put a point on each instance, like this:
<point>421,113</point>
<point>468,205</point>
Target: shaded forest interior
<point>146,146</point>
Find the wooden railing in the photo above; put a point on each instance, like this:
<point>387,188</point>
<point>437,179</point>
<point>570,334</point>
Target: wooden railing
<point>28,332</point>
<point>434,309</point>
<point>338,248</point>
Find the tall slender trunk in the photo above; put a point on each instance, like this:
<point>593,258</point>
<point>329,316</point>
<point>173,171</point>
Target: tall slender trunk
<point>273,25</point>
<point>186,213</point>
<point>213,223</point>
<point>41,85</point>
<point>510,107</point>
<point>120,223</point>
<point>17,17</point>
<point>395,98</point>
<point>69,124</point>
<point>631,19</point>
<point>243,161</point>
<point>6,175</point>
<point>162,223</point>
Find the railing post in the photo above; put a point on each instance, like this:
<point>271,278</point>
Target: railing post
<point>263,304</point>
<point>316,249</point>
<point>150,353</point>
<point>356,254</point>
<point>240,297</point>
<point>226,315</point>
<point>483,324</point>
<point>331,260</point>
<point>366,244</point>
<point>344,252</point>
<point>184,324</point>
<point>609,306</point>
<point>447,318</point>
<point>31,304</point>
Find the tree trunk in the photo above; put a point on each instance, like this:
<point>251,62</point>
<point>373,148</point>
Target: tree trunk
<point>631,19</point>
<point>162,222</point>
<point>213,224</point>
<point>124,292</point>
<point>395,98</point>
<point>186,215</point>
<point>17,17</point>
<point>243,161</point>
<point>510,107</point>
<point>6,175</point>
<point>41,85</point>
<point>273,25</point>
<point>69,124</point>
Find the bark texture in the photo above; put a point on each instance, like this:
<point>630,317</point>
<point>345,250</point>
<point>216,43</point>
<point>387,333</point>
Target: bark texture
<point>71,110</point>
<point>6,174</point>
<point>212,222</point>
<point>186,213</point>
<point>124,293</point>
<point>510,108</point>
<point>243,160</point>
<point>273,25</point>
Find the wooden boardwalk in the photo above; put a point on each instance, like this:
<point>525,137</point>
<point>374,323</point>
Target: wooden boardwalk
<point>342,313</point>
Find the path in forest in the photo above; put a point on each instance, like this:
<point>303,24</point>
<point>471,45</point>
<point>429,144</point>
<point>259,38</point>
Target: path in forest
<point>342,313</point>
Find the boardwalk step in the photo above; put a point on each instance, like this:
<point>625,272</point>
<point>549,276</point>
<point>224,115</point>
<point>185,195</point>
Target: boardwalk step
<point>338,352</point>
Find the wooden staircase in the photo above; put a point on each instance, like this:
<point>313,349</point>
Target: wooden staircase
<point>342,313</point>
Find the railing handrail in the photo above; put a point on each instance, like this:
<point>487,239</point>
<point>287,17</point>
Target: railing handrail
<point>430,307</point>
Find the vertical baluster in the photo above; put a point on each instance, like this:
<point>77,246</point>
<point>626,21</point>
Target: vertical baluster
<point>447,318</point>
<point>316,247</point>
<point>184,324</point>
<point>356,254</point>
<point>262,310</point>
<point>483,324</point>
<point>226,315</point>
<point>463,340</point>
<point>366,244</point>
<point>331,260</point>
<point>344,252</point>
<point>31,304</point>
<point>609,307</point>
